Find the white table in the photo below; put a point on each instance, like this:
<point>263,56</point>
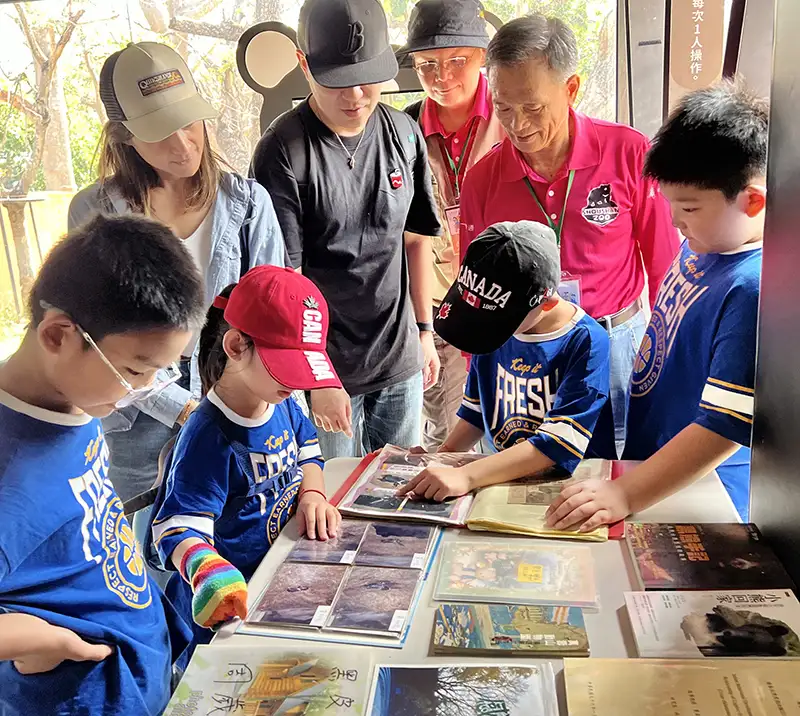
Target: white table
<point>609,632</point>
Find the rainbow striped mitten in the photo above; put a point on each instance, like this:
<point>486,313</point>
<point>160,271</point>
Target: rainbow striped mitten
<point>219,589</point>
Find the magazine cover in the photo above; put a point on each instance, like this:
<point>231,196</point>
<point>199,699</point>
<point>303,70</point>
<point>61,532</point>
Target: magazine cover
<point>388,544</point>
<point>523,572</point>
<point>375,599</point>
<point>461,690</point>
<point>373,494</point>
<point>704,556</point>
<point>520,507</point>
<point>715,624</point>
<point>339,550</point>
<point>502,629</point>
<point>267,681</point>
<point>299,594</point>
<point>656,687</point>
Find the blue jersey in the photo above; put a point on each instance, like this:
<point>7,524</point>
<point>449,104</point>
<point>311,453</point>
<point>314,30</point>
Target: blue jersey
<point>546,388</point>
<point>68,556</point>
<point>696,363</point>
<point>234,483</point>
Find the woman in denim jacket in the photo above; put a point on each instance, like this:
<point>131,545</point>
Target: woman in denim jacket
<point>156,159</point>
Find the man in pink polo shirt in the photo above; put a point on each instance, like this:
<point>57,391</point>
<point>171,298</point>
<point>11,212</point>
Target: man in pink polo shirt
<point>582,177</point>
<point>446,46</point>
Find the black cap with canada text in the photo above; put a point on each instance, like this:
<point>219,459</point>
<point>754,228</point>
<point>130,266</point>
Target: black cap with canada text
<point>346,42</point>
<point>508,270</point>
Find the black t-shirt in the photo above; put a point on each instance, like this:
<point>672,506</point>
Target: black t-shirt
<point>344,227</point>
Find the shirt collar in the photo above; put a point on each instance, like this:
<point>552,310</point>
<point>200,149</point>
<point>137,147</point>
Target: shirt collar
<point>237,419</point>
<point>481,107</point>
<point>584,153</point>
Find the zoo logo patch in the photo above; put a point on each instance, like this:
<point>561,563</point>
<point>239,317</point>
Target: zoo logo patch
<point>600,208</point>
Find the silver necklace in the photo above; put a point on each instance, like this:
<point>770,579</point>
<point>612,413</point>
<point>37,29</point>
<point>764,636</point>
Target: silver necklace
<point>351,158</point>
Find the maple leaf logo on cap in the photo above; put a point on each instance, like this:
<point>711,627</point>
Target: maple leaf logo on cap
<point>310,302</point>
<point>444,311</point>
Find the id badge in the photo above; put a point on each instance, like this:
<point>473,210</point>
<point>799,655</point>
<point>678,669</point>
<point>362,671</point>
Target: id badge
<point>570,288</point>
<point>453,216</point>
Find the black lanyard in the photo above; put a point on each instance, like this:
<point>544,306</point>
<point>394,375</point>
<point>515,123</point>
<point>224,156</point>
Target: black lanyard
<point>555,227</point>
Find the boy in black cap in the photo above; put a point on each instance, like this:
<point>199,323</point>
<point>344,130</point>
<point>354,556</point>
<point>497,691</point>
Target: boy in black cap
<point>538,379</point>
<point>446,45</point>
<point>350,183</point>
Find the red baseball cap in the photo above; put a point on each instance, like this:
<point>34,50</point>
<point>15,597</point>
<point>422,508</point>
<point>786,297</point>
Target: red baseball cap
<point>287,318</point>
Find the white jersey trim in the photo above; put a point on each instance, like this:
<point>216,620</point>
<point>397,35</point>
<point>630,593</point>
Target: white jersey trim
<point>728,399</point>
<point>471,406</point>
<point>70,420</point>
<point>567,433</point>
<point>203,525</point>
<point>744,248</point>
<point>237,419</point>
<point>309,452</point>
<point>542,337</point>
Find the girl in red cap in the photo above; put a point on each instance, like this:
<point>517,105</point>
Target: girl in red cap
<point>248,457</point>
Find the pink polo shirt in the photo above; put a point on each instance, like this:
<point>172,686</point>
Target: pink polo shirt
<point>616,225</point>
<point>455,141</point>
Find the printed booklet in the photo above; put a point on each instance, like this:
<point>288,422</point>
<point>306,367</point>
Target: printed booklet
<point>656,687</point>
<point>715,624</point>
<point>527,572</point>
<point>463,690</point>
<point>254,680</point>
<point>704,556</point>
<point>508,630</point>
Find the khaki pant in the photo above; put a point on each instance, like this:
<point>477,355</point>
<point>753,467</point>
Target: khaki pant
<point>441,401</point>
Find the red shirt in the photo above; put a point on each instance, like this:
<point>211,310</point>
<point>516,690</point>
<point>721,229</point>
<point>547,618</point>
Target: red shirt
<point>616,225</point>
<point>455,143</point>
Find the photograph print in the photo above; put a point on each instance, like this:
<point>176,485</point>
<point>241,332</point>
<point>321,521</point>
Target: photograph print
<point>392,544</point>
<point>334,550</point>
<point>296,591</point>
<point>370,597</point>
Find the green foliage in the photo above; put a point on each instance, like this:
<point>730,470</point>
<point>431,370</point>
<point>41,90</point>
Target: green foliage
<point>16,146</point>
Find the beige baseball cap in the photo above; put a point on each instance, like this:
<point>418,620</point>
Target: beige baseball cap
<point>148,87</point>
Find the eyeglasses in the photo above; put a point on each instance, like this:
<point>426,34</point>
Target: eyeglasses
<point>167,376</point>
<point>434,68</point>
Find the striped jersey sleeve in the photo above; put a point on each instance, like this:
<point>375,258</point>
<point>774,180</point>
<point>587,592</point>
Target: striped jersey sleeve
<point>567,427</point>
<point>470,409</point>
<point>726,405</point>
<point>308,449</point>
<point>196,487</point>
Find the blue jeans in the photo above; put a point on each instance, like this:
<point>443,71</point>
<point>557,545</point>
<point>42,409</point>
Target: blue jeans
<point>625,341</point>
<point>390,415</point>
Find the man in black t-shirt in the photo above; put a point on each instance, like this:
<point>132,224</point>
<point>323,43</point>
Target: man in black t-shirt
<point>351,186</point>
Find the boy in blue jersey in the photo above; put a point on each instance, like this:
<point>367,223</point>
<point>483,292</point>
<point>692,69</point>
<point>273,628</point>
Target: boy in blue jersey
<point>248,457</point>
<point>539,375</point>
<point>82,630</point>
<point>691,405</point>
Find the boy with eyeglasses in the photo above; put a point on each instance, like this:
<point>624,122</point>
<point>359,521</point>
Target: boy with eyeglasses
<point>82,630</point>
<point>446,45</point>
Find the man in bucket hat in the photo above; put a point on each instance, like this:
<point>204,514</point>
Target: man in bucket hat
<point>446,46</point>
<point>351,186</point>
<point>538,379</point>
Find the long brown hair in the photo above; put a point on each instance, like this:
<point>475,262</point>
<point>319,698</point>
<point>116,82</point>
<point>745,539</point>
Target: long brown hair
<point>134,178</point>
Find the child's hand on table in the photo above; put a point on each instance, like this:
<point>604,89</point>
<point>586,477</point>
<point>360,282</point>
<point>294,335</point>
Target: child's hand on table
<point>438,483</point>
<point>318,518</point>
<point>51,645</point>
<point>592,502</point>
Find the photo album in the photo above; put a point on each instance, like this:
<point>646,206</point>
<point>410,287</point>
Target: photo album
<point>365,582</point>
<point>517,507</point>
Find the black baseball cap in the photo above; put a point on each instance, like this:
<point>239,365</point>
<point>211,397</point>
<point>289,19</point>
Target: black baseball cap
<point>442,24</point>
<point>507,272</point>
<point>346,42</point>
